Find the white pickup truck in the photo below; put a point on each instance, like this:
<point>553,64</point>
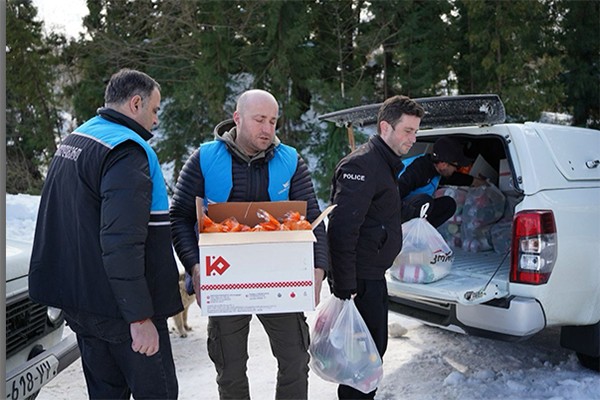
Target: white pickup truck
<point>36,351</point>
<point>549,275</point>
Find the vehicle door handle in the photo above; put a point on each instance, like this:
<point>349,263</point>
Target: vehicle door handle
<point>592,163</point>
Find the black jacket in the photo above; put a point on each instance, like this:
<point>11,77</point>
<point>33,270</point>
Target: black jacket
<point>422,170</point>
<point>364,230</point>
<point>97,247</point>
<point>250,183</point>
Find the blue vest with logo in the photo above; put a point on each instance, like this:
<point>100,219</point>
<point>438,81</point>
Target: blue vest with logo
<point>215,163</point>
<point>114,134</point>
<point>428,189</point>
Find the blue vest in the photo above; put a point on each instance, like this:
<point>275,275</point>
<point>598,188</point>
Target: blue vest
<point>429,188</point>
<point>215,163</point>
<point>112,134</point>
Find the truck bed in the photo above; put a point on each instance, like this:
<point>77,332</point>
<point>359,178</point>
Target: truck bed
<point>470,273</point>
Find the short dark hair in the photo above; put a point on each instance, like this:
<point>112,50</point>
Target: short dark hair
<point>127,83</point>
<point>395,107</point>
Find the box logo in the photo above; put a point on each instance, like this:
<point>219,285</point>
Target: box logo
<point>216,265</point>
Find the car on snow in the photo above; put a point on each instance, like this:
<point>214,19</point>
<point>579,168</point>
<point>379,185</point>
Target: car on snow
<point>36,351</point>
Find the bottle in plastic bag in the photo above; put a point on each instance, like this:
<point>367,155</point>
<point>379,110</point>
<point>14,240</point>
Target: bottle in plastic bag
<point>342,349</point>
<point>425,256</point>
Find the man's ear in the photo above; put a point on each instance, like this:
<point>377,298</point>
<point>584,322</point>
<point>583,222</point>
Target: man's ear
<point>135,104</point>
<point>236,117</point>
<point>384,127</point>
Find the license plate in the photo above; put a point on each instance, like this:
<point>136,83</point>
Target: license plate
<point>32,379</point>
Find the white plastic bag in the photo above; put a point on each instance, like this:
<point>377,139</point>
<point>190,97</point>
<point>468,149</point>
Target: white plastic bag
<point>450,230</point>
<point>341,347</point>
<point>425,256</point>
<point>484,206</point>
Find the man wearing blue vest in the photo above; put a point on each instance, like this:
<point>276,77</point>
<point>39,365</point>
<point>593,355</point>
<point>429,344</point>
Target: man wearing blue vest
<point>424,172</point>
<point>247,162</point>
<point>102,249</point>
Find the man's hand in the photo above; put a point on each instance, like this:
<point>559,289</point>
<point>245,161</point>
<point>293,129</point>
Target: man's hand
<point>343,294</point>
<point>145,337</point>
<point>479,180</point>
<point>319,275</point>
<point>196,282</point>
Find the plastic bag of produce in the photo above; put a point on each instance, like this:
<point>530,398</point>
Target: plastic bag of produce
<point>483,207</point>
<point>425,255</point>
<point>450,230</point>
<point>341,347</point>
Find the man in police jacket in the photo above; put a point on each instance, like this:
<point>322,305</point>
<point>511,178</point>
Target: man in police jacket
<point>247,162</point>
<point>102,249</point>
<point>364,230</point>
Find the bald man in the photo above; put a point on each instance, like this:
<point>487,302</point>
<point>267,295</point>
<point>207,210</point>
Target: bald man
<point>247,162</point>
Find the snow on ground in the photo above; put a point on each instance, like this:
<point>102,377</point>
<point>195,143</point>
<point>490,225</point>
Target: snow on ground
<point>425,363</point>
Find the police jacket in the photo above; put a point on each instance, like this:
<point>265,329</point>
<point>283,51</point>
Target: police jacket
<point>251,179</point>
<point>364,230</point>
<point>420,176</point>
<point>102,242</point>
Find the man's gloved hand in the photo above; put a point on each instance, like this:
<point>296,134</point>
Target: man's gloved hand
<point>343,294</point>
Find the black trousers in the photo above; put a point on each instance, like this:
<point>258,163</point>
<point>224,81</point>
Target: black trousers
<point>440,209</point>
<point>113,370</point>
<point>372,303</point>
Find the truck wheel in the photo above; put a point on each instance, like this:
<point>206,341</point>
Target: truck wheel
<point>585,341</point>
<point>590,362</point>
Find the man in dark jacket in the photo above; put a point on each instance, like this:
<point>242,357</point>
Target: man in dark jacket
<point>424,172</point>
<point>247,162</point>
<point>364,230</point>
<point>102,249</point>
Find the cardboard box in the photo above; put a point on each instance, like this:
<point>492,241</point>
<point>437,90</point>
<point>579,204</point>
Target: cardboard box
<point>256,272</point>
<point>482,168</point>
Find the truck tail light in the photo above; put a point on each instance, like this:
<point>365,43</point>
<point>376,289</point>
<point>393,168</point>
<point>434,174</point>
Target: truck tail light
<point>534,247</point>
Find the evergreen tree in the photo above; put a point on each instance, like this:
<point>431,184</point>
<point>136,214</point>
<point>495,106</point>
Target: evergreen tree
<point>119,36</point>
<point>199,49</point>
<point>317,56</point>
<point>412,42</point>
<point>507,48</point>
<point>277,54</point>
<point>341,79</point>
<point>581,42</point>
<point>33,123</point>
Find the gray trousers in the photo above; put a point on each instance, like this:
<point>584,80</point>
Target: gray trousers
<point>228,349</point>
